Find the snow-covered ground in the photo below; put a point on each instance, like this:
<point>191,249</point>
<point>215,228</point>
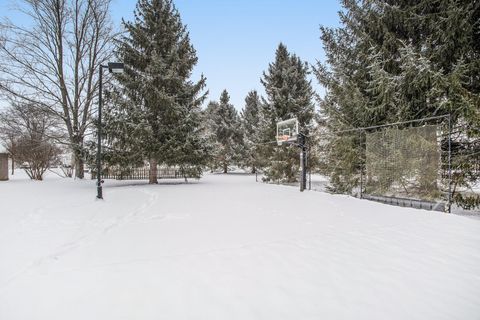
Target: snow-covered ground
<point>227,247</point>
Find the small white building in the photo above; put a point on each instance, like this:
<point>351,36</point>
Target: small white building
<point>3,166</point>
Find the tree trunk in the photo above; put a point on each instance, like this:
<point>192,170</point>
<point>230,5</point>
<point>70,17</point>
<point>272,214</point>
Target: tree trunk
<point>77,142</point>
<point>13,165</point>
<point>153,172</point>
<point>225,167</point>
<point>79,167</point>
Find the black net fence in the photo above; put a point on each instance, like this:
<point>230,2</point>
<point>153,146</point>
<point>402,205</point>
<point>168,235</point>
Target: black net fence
<point>405,163</point>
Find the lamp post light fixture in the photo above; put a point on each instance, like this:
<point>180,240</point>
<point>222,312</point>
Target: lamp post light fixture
<point>113,67</point>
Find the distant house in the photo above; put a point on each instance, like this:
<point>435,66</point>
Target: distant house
<point>3,166</point>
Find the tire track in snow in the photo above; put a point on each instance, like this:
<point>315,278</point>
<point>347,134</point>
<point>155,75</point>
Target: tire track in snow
<point>84,239</point>
<point>292,240</point>
<point>152,199</point>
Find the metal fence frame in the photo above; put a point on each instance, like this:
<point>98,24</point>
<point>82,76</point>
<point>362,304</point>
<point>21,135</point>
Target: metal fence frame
<point>402,201</point>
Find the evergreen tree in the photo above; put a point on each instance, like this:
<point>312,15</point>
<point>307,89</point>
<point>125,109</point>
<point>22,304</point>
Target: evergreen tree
<point>225,125</point>
<point>289,95</point>
<point>156,116</point>
<point>251,120</point>
<point>210,134</point>
<point>398,60</point>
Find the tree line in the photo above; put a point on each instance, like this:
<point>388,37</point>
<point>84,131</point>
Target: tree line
<point>389,61</point>
<point>153,111</point>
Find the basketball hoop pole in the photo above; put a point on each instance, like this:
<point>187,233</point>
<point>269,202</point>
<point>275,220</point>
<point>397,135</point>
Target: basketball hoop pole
<point>303,160</point>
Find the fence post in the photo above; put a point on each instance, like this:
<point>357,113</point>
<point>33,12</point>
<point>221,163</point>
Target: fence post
<point>449,209</point>
<point>309,170</point>
<point>361,165</point>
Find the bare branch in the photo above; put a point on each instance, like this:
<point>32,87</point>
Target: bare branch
<point>53,63</point>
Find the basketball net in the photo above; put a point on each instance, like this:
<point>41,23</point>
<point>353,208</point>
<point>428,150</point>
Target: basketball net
<point>283,138</point>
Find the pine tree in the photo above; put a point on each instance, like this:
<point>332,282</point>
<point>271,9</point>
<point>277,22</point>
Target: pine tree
<point>156,116</point>
<point>251,120</point>
<point>210,134</point>
<point>289,95</point>
<point>398,60</point>
<point>226,128</point>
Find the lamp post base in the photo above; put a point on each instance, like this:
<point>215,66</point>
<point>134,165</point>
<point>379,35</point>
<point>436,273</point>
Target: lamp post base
<point>99,192</point>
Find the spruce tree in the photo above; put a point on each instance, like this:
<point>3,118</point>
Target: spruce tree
<point>251,120</point>
<point>156,116</point>
<point>210,134</point>
<point>289,95</point>
<point>398,60</point>
<point>225,126</point>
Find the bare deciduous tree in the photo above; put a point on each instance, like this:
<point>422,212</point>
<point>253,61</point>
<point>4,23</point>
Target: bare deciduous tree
<point>33,132</point>
<point>53,61</point>
<point>36,154</point>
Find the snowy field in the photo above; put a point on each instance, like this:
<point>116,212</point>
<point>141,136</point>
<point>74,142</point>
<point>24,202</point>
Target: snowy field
<point>227,247</point>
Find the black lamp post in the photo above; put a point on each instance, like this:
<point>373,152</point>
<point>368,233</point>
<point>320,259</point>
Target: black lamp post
<point>114,67</point>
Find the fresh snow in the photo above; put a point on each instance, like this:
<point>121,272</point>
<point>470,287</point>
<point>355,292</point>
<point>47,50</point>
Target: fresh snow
<point>226,247</point>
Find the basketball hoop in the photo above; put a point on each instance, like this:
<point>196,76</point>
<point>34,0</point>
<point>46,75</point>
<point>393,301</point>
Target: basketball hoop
<point>287,131</point>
